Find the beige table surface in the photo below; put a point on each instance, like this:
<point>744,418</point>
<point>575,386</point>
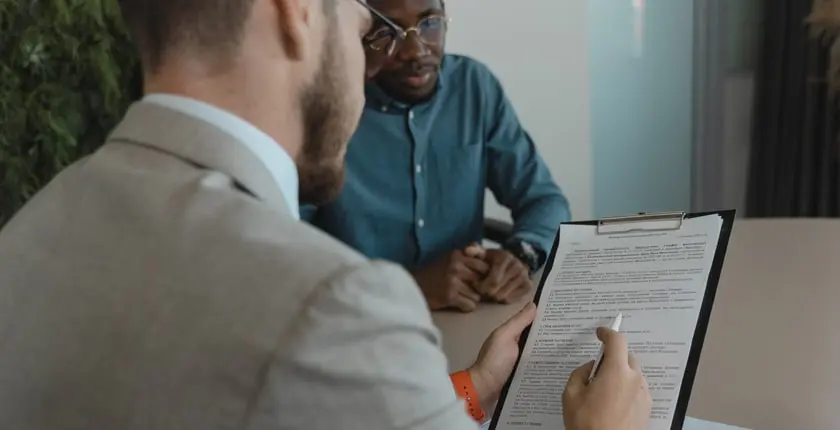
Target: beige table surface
<point>771,360</point>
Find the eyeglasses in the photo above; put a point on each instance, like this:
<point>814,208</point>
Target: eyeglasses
<point>389,38</point>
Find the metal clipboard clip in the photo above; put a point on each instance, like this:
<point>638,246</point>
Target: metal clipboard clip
<point>645,222</point>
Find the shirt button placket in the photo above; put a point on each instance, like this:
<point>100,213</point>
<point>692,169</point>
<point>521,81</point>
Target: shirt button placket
<point>418,139</point>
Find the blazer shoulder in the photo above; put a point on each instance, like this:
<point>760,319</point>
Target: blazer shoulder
<point>284,245</point>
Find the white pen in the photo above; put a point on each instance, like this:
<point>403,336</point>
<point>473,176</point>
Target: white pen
<point>616,324</point>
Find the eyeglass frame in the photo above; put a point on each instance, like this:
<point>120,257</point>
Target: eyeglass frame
<point>402,34</point>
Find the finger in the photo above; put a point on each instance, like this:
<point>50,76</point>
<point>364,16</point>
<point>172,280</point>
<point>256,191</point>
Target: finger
<point>503,293</point>
<point>497,276</point>
<point>578,379</point>
<point>475,251</point>
<point>513,270</point>
<point>634,364</point>
<point>515,277</point>
<point>615,348</point>
<point>477,265</point>
<point>469,293</point>
<point>466,275</point>
<point>489,282</point>
<point>514,325</point>
<point>514,290</point>
<point>459,289</point>
<point>463,303</point>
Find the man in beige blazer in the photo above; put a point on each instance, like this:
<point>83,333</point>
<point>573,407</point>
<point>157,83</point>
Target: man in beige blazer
<point>165,282</point>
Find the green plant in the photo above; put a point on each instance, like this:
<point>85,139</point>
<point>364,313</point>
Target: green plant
<point>67,74</point>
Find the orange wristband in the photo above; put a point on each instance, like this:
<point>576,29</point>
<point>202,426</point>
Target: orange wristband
<point>465,389</point>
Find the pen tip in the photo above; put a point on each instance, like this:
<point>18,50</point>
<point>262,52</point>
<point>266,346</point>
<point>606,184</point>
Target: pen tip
<point>617,322</point>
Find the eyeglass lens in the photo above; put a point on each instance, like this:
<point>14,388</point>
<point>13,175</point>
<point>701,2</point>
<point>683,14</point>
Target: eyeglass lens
<point>430,30</point>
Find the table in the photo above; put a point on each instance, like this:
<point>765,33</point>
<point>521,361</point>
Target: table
<point>771,360</point>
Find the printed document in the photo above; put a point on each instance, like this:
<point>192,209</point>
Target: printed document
<point>690,424</point>
<point>657,279</point>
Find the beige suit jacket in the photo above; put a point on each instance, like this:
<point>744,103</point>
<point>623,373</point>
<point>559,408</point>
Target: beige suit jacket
<point>162,283</point>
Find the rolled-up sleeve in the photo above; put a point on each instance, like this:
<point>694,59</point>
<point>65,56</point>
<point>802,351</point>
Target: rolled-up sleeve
<point>518,176</point>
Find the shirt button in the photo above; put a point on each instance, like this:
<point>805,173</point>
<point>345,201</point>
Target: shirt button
<point>418,168</point>
<point>421,223</point>
<point>384,108</point>
<point>411,114</point>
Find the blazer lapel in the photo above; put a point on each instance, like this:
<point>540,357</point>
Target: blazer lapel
<point>201,143</point>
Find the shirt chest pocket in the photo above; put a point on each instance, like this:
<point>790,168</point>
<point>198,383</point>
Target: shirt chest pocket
<point>456,177</point>
<point>457,161</point>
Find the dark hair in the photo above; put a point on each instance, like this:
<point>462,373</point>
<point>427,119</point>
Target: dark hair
<point>160,25</point>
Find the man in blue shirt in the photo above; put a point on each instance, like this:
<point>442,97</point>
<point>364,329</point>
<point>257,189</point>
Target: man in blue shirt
<point>436,131</point>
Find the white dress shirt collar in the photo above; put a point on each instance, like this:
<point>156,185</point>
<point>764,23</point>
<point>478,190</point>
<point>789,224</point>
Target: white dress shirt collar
<point>278,162</point>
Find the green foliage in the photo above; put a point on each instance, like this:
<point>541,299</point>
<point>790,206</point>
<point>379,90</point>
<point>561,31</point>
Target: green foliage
<point>67,74</point>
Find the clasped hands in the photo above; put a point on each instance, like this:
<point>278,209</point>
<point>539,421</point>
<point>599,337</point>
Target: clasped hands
<point>465,277</point>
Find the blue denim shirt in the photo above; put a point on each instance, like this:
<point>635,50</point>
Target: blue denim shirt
<point>416,175</point>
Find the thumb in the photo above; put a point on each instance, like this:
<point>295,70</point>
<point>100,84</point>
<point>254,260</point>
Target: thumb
<point>615,347</point>
<point>578,379</point>
<point>518,322</point>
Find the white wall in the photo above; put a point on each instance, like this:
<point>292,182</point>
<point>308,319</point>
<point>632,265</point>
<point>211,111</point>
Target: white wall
<point>539,50</point>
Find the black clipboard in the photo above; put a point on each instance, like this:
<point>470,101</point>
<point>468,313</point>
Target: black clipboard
<point>636,223</point>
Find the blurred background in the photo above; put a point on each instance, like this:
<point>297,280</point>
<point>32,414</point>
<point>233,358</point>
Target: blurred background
<point>637,105</point>
<point>651,105</point>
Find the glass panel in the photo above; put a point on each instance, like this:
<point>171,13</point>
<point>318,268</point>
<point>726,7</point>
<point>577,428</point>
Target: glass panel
<point>641,69</point>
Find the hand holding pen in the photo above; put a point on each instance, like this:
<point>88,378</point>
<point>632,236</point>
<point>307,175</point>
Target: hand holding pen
<point>615,326</point>
<point>616,398</point>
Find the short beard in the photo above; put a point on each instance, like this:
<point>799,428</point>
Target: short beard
<point>326,132</point>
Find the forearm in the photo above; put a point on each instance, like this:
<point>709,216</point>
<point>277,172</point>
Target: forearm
<point>537,218</point>
<point>519,177</point>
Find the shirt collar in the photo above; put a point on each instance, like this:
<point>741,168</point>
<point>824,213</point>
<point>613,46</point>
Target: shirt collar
<point>278,162</point>
<point>381,100</point>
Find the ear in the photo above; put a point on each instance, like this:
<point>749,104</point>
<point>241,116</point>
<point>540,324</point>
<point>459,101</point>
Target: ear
<point>294,23</point>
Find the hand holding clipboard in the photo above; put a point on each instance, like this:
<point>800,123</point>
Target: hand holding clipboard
<point>660,271</point>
